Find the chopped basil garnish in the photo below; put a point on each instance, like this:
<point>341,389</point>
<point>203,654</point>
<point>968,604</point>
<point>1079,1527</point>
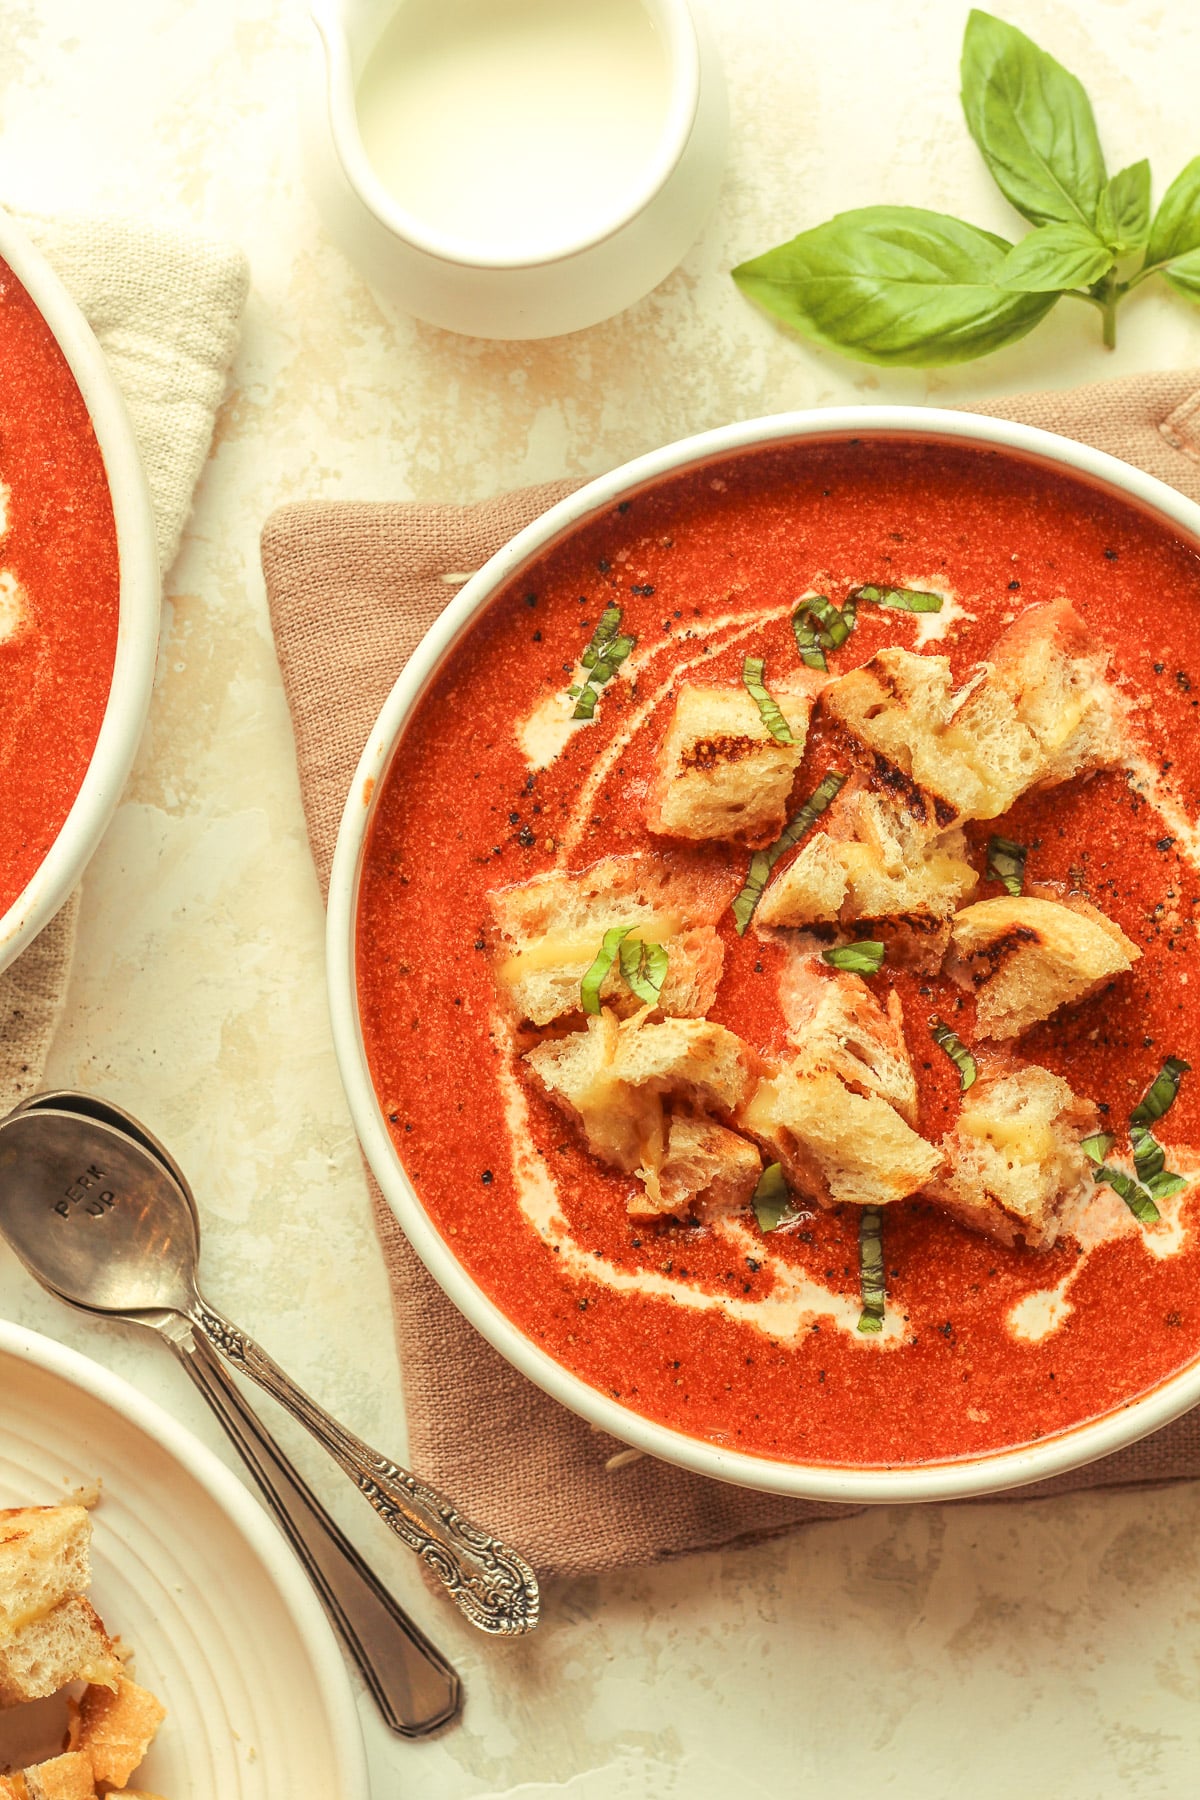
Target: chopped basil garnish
<point>1160,1095</point>
<point>897,598</point>
<point>644,967</point>
<point>602,658</point>
<point>1135,1197</point>
<point>1097,1148</point>
<point>1006,863</point>
<point>819,626</point>
<point>772,718</point>
<point>870,1266</point>
<point>763,861</point>
<point>593,981</point>
<point>956,1050</point>
<point>864,958</point>
<point>771,1200</point>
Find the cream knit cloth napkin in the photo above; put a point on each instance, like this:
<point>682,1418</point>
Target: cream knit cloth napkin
<point>165,306</point>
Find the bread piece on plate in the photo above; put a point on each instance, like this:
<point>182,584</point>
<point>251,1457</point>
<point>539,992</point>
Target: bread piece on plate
<point>836,1023</point>
<point>720,773</point>
<point>44,1556</point>
<point>66,1777</point>
<point>836,1145</point>
<point>551,928</point>
<point>68,1644</point>
<point>116,1729</point>
<point>1013,1159</point>
<point>707,1172</point>
<point>1025,957</point>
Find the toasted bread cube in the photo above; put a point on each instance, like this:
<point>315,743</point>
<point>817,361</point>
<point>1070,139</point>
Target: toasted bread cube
<point>720,773</point>
<point>835,1145</point>
<point>836,1023</point>
<point>12,1787</point>
<point>694,1060</point>
<point>68,1644</point>
<point>1025,957</point>
<point>1056,675</point>
<point>1013,1157</point>
<point>707,1173</point>
<point>44,1556</point>
<point>899,706</point>
<point>117,1729</point>
<point>551,929</point>
<point>66,1777</point>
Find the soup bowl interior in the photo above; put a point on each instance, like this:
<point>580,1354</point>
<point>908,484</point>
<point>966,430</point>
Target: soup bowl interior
<point>872,1480</point>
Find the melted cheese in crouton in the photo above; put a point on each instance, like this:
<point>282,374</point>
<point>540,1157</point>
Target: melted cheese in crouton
<point>720,773</point>
<point>1025,957</point>
<point>836,1145</point>
<point>836,1023</point>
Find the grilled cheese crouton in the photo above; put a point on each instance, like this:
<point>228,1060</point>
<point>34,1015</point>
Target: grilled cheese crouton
<point>899,706</point>
<point>44,1556</point>
<point>551,929</point>
<point>117,1728</point>
<point>836,1023</point>
<point>1057,678</point>
<point>1025,957</point>
<point>69,1643</point>
<point>836,1145</point>
<point>720,773</point>
<point>1013,1157</point>
<point>707,1172</point>
<point>66,1777</point>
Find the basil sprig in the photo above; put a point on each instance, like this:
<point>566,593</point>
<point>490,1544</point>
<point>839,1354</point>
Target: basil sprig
<point>956,1050</point>
<point>771,1200</point>
<point>863,958</point>
<point>900,285</point>
<point>1006,863</point>
<point>644,967</point>
<point>602,658</point>
<point>897,599</point>
<point>870,1269</point>
<point>753,669</point>
<point>1151,1180</point>
<point>763,861</point>
<point>820,626</point>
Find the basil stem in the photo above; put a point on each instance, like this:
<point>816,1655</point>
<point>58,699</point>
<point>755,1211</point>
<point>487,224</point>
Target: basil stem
<point>771,1200</point>
<point>763,861</point>
<point>956,1050</point>
<point>1006,863</point>
<point>819,626</point>
<point>752,676</point>
<point>1135,1197</point>
<point>898,599</point>
<point>644,967</point>
<point>1160,1095</point>
<point>593,981</point>
<point>870,1268</point>
<point>863,958</point>
<point>602,658</point>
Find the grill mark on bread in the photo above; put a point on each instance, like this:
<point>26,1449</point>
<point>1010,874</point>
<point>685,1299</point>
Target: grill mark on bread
<point>709,753</point>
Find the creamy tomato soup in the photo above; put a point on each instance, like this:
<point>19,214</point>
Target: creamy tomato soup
<point>744,1337</point>
<point>58,589</point>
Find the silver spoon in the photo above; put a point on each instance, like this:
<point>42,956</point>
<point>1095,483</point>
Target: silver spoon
<point>100,1213</point>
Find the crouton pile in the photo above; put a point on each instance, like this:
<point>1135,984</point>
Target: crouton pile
<point>50,1638</point>
<point>694,1113</point>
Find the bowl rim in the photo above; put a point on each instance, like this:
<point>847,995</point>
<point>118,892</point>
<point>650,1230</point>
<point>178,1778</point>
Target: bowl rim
<point>138,600</point>
<point>872,1484</point>
<point>673,18</point>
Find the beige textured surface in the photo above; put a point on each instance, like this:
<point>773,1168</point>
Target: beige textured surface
<point>1043,1649</point>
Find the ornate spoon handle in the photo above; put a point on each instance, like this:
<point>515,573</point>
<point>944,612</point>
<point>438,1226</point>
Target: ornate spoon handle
<point>491,1584</point>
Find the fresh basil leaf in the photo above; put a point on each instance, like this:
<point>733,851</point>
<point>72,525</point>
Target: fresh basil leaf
<point>1054,258</point>
<point>1160,1095</point>
<point>1033,123</point>
<point>771,1200</point>
<point>1135,1197</point>
<point>1123,212</point>
<point>1006,863</point>
<point>863,958</point>
<point>753,669</point>
<point>956,1050</point>
<point>1166,1183</point>
<point>1184,275</point>
<point>1149,1157</point>
<point>870,1269</point>
<point>644,967</point>
<point>1176,228</point>
<point>897,599</point>
<point>593,981</point>
<point>602,658</point>
<point>763,861</point>
<point>819,626</point>
<point>895,285</point>
<point>1097,1147</point>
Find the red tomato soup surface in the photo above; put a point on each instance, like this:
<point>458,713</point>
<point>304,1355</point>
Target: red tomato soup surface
<point>462,815</point>
<point>58,589</point>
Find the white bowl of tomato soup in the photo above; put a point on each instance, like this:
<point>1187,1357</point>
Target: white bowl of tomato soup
<point>730,1347</point>
<point>79,593</point>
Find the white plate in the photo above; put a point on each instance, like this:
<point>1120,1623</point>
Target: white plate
<point>191,1573</point>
